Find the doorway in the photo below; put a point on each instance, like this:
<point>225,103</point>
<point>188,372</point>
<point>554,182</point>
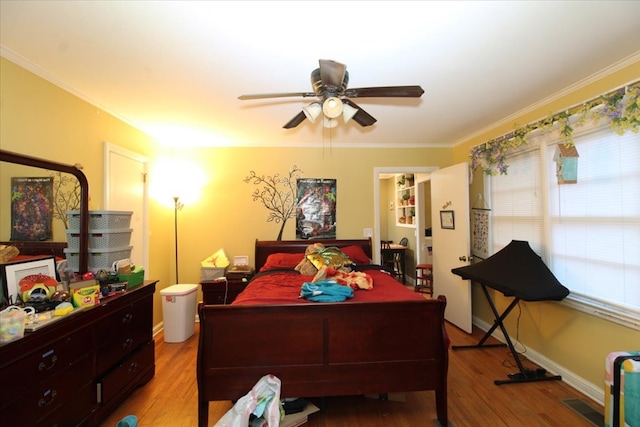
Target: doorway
<point>415,235</point>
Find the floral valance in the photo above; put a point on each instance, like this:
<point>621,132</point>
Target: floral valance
<point>621,108</point>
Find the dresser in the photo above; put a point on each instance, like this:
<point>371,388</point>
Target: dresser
<point>75,370</point>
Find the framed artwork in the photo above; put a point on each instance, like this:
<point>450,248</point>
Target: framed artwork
<point>447,220</point>
<point>31,208</point>
<point>18,275</point>
<point>316,208</point>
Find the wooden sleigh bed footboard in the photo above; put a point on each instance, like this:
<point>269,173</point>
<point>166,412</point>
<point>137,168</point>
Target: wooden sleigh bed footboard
<point>323,349</point>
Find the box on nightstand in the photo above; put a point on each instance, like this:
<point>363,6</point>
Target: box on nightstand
<point>214,266</point>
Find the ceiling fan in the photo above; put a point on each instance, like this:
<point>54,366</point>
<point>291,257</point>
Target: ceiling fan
<point>329,83</point>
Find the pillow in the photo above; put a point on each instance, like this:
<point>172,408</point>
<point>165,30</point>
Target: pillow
<point>330,257</point>
<point>356,254</point>
<point>282,260</point>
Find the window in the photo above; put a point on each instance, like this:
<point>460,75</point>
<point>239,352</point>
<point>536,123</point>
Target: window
<point>588,233</point>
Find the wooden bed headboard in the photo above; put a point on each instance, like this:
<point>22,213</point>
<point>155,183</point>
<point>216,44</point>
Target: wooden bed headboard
<point>55,248</point>
<point>264,248</point>
<point>39,248</point>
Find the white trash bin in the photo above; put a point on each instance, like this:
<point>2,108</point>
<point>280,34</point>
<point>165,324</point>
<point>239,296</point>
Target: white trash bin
<point>179,312</point>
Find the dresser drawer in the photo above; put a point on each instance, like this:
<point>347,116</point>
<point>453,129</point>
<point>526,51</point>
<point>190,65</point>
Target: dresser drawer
<point>43,363</point>
<point>132,316</point>
<point>48,396</point>
<point>123,332</point>
<point>72,412</point>
<point>129,371</point>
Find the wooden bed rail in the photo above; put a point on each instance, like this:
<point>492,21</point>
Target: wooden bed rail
<point>323,350</point>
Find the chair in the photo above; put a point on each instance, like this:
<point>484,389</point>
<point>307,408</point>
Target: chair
<point>386,256</point>
<point>393,258</point>
<point>398,265</point>
<point>424,279</point>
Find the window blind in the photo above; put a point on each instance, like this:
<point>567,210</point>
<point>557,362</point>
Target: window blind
<point>588,233</point>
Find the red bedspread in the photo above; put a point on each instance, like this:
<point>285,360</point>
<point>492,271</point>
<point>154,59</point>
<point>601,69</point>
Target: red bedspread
<point>283,287</point>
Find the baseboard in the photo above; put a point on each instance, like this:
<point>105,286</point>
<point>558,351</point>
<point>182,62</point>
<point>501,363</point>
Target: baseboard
<point>590,390</point>
<point>158,328</point>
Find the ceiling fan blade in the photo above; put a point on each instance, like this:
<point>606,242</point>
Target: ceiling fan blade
<point>361,117</point>
<point>332,73</point>
<point>385,92</point>
<point>276,95</point>
<point>299,118</point>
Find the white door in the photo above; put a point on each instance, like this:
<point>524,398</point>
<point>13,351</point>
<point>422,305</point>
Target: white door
<point>126,190</point>
<point>451,241</point>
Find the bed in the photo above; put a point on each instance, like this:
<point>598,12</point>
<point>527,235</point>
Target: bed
<point>359,346</point>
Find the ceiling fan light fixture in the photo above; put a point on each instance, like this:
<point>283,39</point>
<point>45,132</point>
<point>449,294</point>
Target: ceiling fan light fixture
<point>348,112</point>
<point>330,123</point>
<point>332,107</point>
<point>312,111</point>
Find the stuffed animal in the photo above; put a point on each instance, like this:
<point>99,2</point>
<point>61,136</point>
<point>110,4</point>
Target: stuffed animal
<point>305,266</point>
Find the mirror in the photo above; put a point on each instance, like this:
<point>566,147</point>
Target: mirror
<point>67,188</point>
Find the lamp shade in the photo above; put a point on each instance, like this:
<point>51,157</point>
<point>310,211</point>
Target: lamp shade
<point>330,123</point>
<point>312,111</point>
<point>348,112</point>
<point>332,107</point>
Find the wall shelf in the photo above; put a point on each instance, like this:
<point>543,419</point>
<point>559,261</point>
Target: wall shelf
<point>405,200</point>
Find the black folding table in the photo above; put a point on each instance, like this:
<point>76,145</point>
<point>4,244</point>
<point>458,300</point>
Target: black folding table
<point>516,271</point>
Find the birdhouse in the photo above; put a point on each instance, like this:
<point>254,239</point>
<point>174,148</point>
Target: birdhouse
<point>566,158</point>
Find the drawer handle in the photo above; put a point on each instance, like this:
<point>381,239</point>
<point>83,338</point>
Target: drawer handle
<point>43,366</point>
<point>127,343</point>
<point>133,367</point>
<point>127,318</point>
<point>47,399</point>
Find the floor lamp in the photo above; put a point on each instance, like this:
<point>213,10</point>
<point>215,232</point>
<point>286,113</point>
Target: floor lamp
<point>177,206</point>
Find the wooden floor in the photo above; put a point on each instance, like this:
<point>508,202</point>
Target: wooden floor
<point>170,398</point>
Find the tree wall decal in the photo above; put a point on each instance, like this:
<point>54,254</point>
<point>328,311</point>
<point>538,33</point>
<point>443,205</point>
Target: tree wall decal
<point>277,194</point>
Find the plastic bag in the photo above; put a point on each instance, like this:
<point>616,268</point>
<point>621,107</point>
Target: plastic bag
<point>262,401</point>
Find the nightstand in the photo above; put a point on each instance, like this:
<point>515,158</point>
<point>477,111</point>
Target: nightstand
<point>239,276</point>
<point>224,290</point>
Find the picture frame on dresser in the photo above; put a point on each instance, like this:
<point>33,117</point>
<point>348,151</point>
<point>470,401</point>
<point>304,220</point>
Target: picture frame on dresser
<point>12,273</point>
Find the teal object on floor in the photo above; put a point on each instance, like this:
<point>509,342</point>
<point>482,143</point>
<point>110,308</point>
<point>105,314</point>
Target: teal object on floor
<point>128,421</point>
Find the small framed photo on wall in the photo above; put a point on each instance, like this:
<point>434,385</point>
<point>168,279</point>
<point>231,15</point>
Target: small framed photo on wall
<point>447,220</point>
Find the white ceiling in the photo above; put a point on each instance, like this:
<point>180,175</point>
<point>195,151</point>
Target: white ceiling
<point>175,68</point>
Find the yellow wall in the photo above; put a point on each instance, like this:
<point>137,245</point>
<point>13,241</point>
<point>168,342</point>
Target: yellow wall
<point>574,340</point>
<point>226,217</point>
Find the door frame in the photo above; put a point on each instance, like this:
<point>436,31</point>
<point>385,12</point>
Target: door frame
<point>112,148</point>
<point>384,170</point>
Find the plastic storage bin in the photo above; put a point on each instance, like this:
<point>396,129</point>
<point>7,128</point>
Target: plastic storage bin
<point>100,239</point>
<point>101,219</point>
<point>98,259</point>
<point>179,311</point>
